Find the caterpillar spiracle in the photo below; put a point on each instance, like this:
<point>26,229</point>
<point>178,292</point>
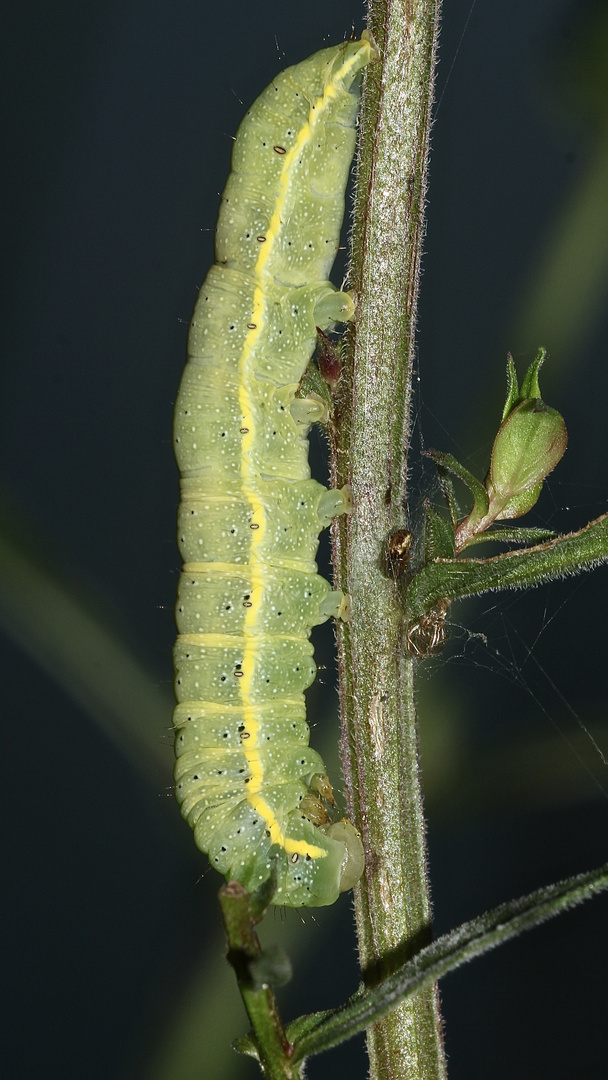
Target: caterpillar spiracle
<point>246,779</point>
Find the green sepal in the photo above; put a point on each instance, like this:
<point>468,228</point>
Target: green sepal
<point>438,535</point>
<point>448,463</point>
<point>530,387</point>
<point>512,389</point>
<point>532,438</point>
<point>511,536</point>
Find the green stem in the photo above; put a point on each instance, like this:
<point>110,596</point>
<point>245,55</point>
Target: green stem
<point>379,742</point>
<point>271,1046</point>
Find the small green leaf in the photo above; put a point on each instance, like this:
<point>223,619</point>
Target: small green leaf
<point>303,1024</point>
<point>246,1045</point>
<point>438,535</point>
<point>450,464</point>
<point>313,385</point>
<point>452,579</point>
<point>447,490</point>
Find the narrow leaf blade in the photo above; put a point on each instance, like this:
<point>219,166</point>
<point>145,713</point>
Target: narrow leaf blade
<point>451,579</point>
<point>513,535</point>
<point>468,941</point>
<point>478,491</point>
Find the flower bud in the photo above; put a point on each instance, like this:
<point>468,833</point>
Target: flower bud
<point>528,446</point>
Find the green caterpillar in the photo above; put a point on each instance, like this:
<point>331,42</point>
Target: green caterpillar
<point>250,515</point>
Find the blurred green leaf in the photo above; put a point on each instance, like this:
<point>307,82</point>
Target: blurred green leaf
<point>87,659</point>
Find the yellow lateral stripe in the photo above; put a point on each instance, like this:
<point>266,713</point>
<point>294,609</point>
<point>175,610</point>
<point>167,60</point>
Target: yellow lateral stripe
<point>292,847</point>
<point>258,517</point>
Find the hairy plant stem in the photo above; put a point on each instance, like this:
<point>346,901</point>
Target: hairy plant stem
<point>379,737</point>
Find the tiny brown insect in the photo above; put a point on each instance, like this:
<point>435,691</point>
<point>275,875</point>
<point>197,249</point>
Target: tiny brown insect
<point>398,551</point>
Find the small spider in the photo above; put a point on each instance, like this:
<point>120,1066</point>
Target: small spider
<point>428,635</point>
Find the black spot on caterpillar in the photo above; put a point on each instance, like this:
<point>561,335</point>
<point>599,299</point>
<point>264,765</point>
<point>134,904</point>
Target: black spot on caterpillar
<point>246,780</point>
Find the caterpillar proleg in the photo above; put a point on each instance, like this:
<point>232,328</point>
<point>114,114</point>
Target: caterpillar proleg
<point>246,779</point>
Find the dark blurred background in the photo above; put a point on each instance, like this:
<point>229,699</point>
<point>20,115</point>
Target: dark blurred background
<point>118,123</point>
